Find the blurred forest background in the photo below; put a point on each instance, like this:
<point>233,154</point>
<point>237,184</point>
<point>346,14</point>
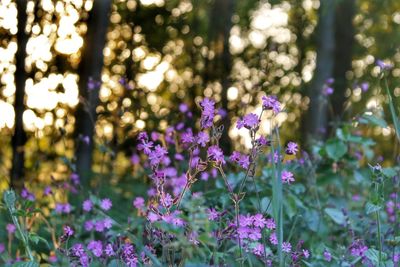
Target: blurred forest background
<point>81,74</point>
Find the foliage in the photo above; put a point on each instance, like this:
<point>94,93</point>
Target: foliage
<point>263,206</point>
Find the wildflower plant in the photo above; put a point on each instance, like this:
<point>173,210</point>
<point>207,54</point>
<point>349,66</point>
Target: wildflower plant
<point>272,204</point>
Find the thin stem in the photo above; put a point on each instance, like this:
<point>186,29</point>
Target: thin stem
<point>378,221</point>
<point>237,232</point>
<point>22,233</point>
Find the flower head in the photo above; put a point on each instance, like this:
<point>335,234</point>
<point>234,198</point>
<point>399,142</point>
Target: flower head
<point>287,177</point>
<point>286,247</point>
<point>87,205</point>
<point>105,204</point>
<point>138,202</point>
<point>68,230</point>
<point>249,121</point>
<point>271,103</point>
<point>215,154</point>
<point>208,113</point>
<point>10,228</point>
<point>291,148</point>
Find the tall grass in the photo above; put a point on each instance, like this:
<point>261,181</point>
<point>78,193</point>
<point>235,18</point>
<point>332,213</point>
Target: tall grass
<point>395,118</point>
<point>277,194</point>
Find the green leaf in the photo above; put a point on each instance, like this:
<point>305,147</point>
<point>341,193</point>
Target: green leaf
<point>116,263</point>
<point>336,215</point>
<point>370,208</point>
<point>335,149</point>
<point>9,198</point>
<point>373,255</point>
<point>389,172</point>
<point>374,120</point>
<point>26,264</point>
<point>36,239</point>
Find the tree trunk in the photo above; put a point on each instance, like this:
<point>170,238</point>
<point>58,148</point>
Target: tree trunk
<point>317,114</point>
<point>344,40</point>
<point>90,70</point>
<point>220,26</point>
<point>19,137</point>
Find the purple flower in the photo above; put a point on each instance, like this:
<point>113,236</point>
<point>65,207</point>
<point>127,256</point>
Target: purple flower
<point>67,208</point>
<point>364,86</point>
<point>291,148</point>
<point>287,177</point>
<point>258,249</point>
<point>273,239</point>
<point>86,139</point>
<point>10,228</point>
<point>99,226</point>
<point>327,256</point>
<point>68,231</point>
<point>105,204</point>
<point>244,161</point>
<point>270,224</point>
<point>2,248</point>
<point>215,153</point>
<point>78,251</point>
<point>286,247</point>
<point>93,84</point>
<point>202,138</point>
<point>74,178</point>
<point>146,146</point>
<point>183,108</point>
<point>328,90</point>
<point>330,81</point>
<point>135,159</point>
<point>246,220</point>
<point>87,205</point>
<point>96,247</point>
<point>47,191</point>
<point>235,156</point>
<point>138,202</point>
<point>157,155</point>
<point>384,66</point>
<point>107,222</point>
<point>152,217</point>
<point>88,225</point>
<point>259,220</point>
<point>187,137</point>
<point>109,251</point>
<point>249,121</point>
<point>166,200</point>
<point>208,113</point>
<point>271,103</point>
<point>212,214</point>
<point>357,249</point>
<point>128,255</point>
<point>26,194</point>
<point>306,253</point>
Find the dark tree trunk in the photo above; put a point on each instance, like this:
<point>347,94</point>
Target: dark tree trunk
<point>19,137</point>
<point>90,68</point>
<point>344,40</point>
<point>317,114</point>
<point>220,26</point>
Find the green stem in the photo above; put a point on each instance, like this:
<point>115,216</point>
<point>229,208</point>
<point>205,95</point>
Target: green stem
<point>238,237</point>
<point>378,221</point>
